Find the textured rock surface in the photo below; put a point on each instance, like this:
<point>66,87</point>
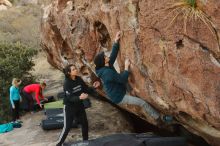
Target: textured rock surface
<point>175,67</point>
<point>5,4</point>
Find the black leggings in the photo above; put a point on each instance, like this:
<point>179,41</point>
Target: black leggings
<point>30,100</point>
<point>70,113</point>
<point>15,111</point>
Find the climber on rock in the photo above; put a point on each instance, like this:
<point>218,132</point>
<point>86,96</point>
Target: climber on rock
<point>115,83</point>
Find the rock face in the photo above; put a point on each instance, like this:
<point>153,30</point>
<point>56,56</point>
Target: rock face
<point>4,4</point>
<point>174,50</point>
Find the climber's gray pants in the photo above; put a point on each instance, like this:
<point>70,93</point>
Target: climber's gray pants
<point>140,102</point>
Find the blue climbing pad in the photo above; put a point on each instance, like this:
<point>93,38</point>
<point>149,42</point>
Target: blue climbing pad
<point>6,127</point>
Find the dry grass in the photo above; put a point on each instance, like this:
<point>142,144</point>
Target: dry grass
<point>21,24</point>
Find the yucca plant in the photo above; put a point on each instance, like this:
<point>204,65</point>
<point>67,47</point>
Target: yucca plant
<point>192,3</point>
<point>190,11</point>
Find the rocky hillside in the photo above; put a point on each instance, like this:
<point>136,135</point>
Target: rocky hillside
<point>21,21</point>
<point>173,45</point>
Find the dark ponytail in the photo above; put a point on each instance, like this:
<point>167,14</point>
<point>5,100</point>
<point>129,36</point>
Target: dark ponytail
<point>99,60</point>
<point>67,70</point>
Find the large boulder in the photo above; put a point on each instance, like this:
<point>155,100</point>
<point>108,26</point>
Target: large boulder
<point>174,50</point>
<point>6,3</point>
<point>3,7</point>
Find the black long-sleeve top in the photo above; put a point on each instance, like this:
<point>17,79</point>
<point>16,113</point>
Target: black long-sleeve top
<point>73,89</point>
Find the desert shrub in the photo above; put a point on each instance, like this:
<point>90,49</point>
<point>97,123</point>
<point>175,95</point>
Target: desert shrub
<point>15,61</point>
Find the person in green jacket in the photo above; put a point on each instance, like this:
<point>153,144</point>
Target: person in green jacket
<point>115,83</point>
<point>15,99</point>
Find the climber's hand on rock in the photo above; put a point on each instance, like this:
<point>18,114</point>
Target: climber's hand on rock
<point>118,36</point>
<point>127,64</point>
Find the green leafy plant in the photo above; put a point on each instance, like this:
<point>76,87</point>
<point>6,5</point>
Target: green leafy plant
<point>15,61</point>
<point>192,3</point>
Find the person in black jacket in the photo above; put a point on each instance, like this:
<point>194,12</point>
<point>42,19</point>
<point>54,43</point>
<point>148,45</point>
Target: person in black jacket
<point>76,91</point>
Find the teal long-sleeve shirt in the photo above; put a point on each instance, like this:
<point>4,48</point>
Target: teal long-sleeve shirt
<point>14,94</point>
<point>114,83</point>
